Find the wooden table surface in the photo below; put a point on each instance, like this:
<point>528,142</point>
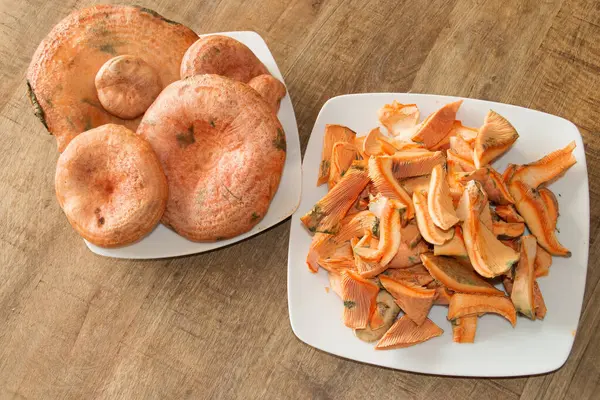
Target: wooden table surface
<point>76,325</point>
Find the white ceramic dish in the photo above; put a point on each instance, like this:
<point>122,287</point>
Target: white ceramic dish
<point>163,242</point>
<point>533,347</point>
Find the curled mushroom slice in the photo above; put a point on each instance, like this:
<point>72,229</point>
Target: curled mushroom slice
<point>325,216</point>
<point>508,213</point>
<point>343,154</point>
<point>380,172</point>
<point>539,306</point>
<point>366,269</point>
<point>472,198</point>
<point>399,119</point>
<point>439,201</point>
<point>324,245</point>
<point>415,301</point>
<point>508,230</point>
<point>508,173</point>
<point>492,184</point>
<point>270,89</point>
<point>333,134</point>
<point>546,169</point>
<point>127,85</point>
<point>538,218</point>
<point>389,236</point>
<point>437,125</point>
<point>495,137</point>
<point>386,311</point>
<point>543,262</point>
<point>405,333</point>
<point>462,304</point>
<point>524,277</point>
<point>358,295</point>
<point>454,247</point>
<point>376,144</point>
<point>487,254</point>
<point>551,204</point>
<point>430,232</point>
<point>464,328</point>
<point>458,276</point>
<point>453,171</point>
<point>407,164</point>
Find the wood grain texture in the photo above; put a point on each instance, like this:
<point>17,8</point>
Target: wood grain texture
<point>215,325</point>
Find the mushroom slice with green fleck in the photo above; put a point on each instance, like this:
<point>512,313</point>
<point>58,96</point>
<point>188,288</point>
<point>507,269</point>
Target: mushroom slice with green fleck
<point>462,304</point>
<point>333,134</point>
<point>492,184</point>
<point>458,276</point>
<point>389,236</point>
<point>408,164</point>
<point>407,256</point>
<point>495,137</point>
<point>324,245</point>
<point>415,301</point>
<point>326,215</point>
<point>524,277</point>
<point>380,173</point>
<point>384,315</point>
<point>487,254</point>
<point>343,155</point>
<point>454,247</point>
<point>464,328</point>
<point>358,295</point>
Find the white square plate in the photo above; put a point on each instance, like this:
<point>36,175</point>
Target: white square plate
<point>163,242</point>
<point>533,347</point>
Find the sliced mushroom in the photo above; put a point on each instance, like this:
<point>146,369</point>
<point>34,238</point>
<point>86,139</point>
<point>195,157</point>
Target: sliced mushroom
<point>386,311</point>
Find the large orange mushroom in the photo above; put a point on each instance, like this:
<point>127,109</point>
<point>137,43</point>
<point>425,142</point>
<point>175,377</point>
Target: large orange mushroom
<point>61,76</point>
<point>222,149</point>
<point>111,186</point>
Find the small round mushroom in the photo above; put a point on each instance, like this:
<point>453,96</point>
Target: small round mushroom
<point>127,85</point>
<point>270,89</point>
<point>388,310</point>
